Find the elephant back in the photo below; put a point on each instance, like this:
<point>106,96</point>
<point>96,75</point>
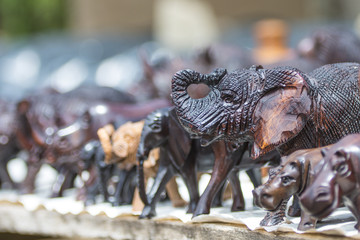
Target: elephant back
<point>337,100</point>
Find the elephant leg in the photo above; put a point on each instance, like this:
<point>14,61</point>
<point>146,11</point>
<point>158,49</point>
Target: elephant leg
<point>118,199</point>
<point>222,167</point>
<point>5,179</point>
<point>255,176</point>
<point>64,180</point>
<point>218,199</point>
<point>104,173</point>
<point>131,186</point>
<point>277,216</point>
<point>91,192</point>
<point>137,204</point>
<point>295,209</point>
<point>164,174</point>
<point>238,198</point>
<point>90,188</point>
<point>189,174</point>
<point>69,180</point>
<point>173,191</point>
<point>34,164</point>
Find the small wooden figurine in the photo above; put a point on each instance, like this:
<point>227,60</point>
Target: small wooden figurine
<point>295,174</point>
<point>338,181</point>
<point>270,37</point>
<point>281,109</point>
<point>180,154</point>
<point>120,148</point>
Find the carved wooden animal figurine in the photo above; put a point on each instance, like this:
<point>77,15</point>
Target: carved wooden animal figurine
<point>120,147</point>
<point>9,146</point>
<point>295,174</point>
<point>326,45</point>
<point>179,154</point>
<point>100,176</point>
<point>338,181</point>
<point>161,69</point>
<point>68,140</point>
<point>270,37</point>
<point>39,116</point>
<point>331,45</point>
<point>281,108</point>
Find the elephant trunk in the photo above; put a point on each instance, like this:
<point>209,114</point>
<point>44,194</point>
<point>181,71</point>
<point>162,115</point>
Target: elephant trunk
<point>196,114</point>
<point>141,181</point>
<point>141,155</point>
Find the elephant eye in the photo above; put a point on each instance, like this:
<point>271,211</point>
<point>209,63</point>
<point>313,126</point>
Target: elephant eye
<point>341,168</point>
<point>228,99</point>
<point>286,179</point>
<point>228,96</point>
<point>155,127</point>
<point>63,143</point>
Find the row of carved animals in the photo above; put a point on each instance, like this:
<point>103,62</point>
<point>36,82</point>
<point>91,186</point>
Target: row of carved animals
<point>242,120</point>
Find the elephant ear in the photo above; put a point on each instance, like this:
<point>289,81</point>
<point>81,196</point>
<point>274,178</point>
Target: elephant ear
<point>282,112</point>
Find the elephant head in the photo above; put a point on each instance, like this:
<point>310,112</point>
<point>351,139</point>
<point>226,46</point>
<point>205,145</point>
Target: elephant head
<point>120,145</point>
<point>266,106</point>
<point>154,133</point>
<point>69,139</point>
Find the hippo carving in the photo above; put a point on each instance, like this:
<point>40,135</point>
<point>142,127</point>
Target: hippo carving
<point>292,177</point>
<point>338,181</point>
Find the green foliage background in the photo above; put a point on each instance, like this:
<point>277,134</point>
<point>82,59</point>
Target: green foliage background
<point>21,18</point>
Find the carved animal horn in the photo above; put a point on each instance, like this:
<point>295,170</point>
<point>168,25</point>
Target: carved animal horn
<point>104,134</point>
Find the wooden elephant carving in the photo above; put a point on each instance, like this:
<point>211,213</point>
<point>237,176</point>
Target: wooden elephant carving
<point>281,109</point>
<point>120,147</point>
<point>180,154</point>
<point>41,115</point>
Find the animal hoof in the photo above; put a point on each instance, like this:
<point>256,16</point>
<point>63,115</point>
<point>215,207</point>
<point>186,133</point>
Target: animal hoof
<point>200,212</point>
<point>305,226</point>
<point>294,212</point>
<point>237,208</point>
<point>216,204</point>
<point>191,207</point>
<point>147,213</point>
<point>357,226</point>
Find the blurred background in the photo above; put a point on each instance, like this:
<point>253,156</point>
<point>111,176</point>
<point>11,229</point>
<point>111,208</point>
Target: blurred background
<point>63,43</point>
